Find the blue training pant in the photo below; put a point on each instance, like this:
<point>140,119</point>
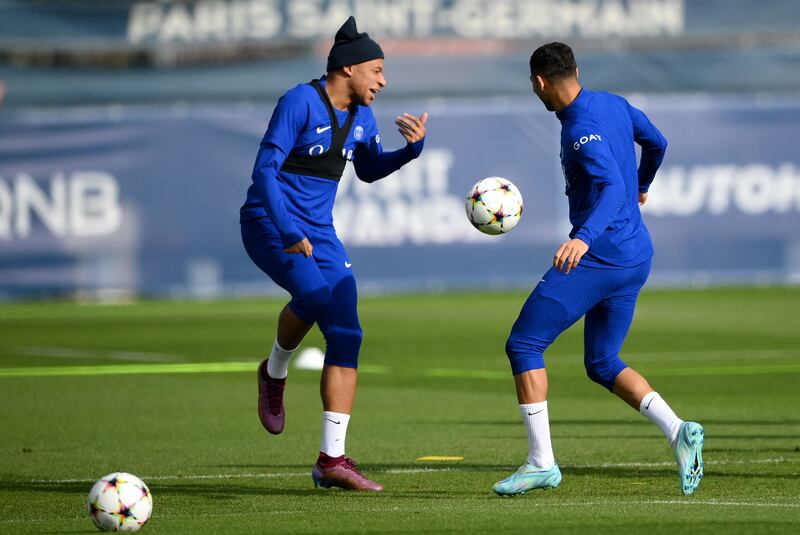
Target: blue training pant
<point>607,297</point>
<point>322,286</point>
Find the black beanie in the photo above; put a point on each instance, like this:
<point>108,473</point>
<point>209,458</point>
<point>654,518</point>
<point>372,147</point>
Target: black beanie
<point>351,47</point>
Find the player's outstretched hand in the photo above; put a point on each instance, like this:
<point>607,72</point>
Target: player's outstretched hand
<point>303,247</point>
<point>412,128</point>
<point>642,198</point>
<point>569,254</point>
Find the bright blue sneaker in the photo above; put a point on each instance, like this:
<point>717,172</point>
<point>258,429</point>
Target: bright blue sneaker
<point>529,477</point>
<point>689,455</point>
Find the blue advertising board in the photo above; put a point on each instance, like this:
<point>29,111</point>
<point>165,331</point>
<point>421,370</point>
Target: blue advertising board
<point>144,200</point>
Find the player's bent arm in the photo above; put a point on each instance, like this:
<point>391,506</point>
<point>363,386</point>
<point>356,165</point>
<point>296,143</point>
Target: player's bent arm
<point>654,147</point>
<point>603,171</point>
<point>288,120</point>
<point>372,163</point>
<point>269,160</point>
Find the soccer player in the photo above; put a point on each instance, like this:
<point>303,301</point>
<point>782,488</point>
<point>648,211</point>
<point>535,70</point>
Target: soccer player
<point>287,230</point>
<point>598,272</point>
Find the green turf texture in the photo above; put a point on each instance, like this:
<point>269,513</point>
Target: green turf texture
<point>434,381</point>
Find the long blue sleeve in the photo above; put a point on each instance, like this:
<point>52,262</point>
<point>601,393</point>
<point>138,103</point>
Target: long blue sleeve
<point>287,121</point>
<point>268,162</point>
<point>372,164</point>
<point>602,170</point>
<point>654,146</point>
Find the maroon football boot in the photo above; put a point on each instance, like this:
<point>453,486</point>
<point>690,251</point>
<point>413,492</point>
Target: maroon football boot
<point>341,472</point>
<point>270,400</point>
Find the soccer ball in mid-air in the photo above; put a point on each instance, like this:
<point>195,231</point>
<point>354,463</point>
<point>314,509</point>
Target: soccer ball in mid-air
<point>120,502</point>
<point>494,205</point>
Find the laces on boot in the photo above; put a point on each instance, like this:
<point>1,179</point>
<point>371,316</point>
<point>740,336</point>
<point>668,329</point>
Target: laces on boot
<point>275,395</point>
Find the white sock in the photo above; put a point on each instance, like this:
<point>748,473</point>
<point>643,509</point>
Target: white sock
<point>278,363</point>
<point>537,424</point>
<point>334,431</point>
<point>658,412</point>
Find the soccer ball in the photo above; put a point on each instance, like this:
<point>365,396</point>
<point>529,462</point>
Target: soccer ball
<point>120,502</point>
<point>494,205</point>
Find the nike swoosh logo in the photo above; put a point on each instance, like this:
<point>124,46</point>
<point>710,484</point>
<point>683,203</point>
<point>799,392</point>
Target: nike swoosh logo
<point>348,264</point>
<point>648,405</point>
<point>334,421</point>
<point>532,413</point>
<point>321,129</point>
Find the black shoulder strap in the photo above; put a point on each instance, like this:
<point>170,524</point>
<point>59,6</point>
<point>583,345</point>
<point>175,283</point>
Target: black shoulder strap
<point>329,164</point>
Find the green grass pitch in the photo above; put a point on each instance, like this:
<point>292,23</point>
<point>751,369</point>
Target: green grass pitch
<point>167,391</point>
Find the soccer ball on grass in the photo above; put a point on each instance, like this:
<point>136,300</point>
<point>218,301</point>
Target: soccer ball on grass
<point>120,502</point>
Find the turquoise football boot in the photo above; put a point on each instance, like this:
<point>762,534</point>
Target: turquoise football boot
<point>529,477</point>
<point>689,456</point>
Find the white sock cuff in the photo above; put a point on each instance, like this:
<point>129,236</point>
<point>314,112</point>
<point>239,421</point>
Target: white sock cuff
<point>533,407</point>
<point>277,346</point>
<point>646,400</point>
<point>340,416</point>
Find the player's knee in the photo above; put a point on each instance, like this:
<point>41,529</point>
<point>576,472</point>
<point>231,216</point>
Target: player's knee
<point>604,371</point>
<point>593,373</point>
<point>310,306</point>
<point>524,354</point>
<point>344,345</point>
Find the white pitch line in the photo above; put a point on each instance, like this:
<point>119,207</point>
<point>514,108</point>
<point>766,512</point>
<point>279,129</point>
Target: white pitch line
<point>672,463</point>
<point>455,468</point>
<point>421,470</point>
<point>689,501</point>
<point>183,477</point>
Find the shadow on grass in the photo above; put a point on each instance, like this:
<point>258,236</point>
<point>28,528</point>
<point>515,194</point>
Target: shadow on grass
<point>270,480</point>
<point>378,471</point>
<point>788,449</point>
<point>225,491</point>
<point>218,489</point>
<point>380,468</point>
<point>87,530</point>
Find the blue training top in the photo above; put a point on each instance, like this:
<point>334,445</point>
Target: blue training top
<point>603,184</point>
<point>300,205</point>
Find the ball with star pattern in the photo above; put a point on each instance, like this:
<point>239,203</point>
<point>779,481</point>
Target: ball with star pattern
<point>494,205</point>
<point>120,502</point>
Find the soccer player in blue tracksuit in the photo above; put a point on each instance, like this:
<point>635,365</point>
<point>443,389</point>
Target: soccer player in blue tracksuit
<point>287,230</point>
<point>598,272</point>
